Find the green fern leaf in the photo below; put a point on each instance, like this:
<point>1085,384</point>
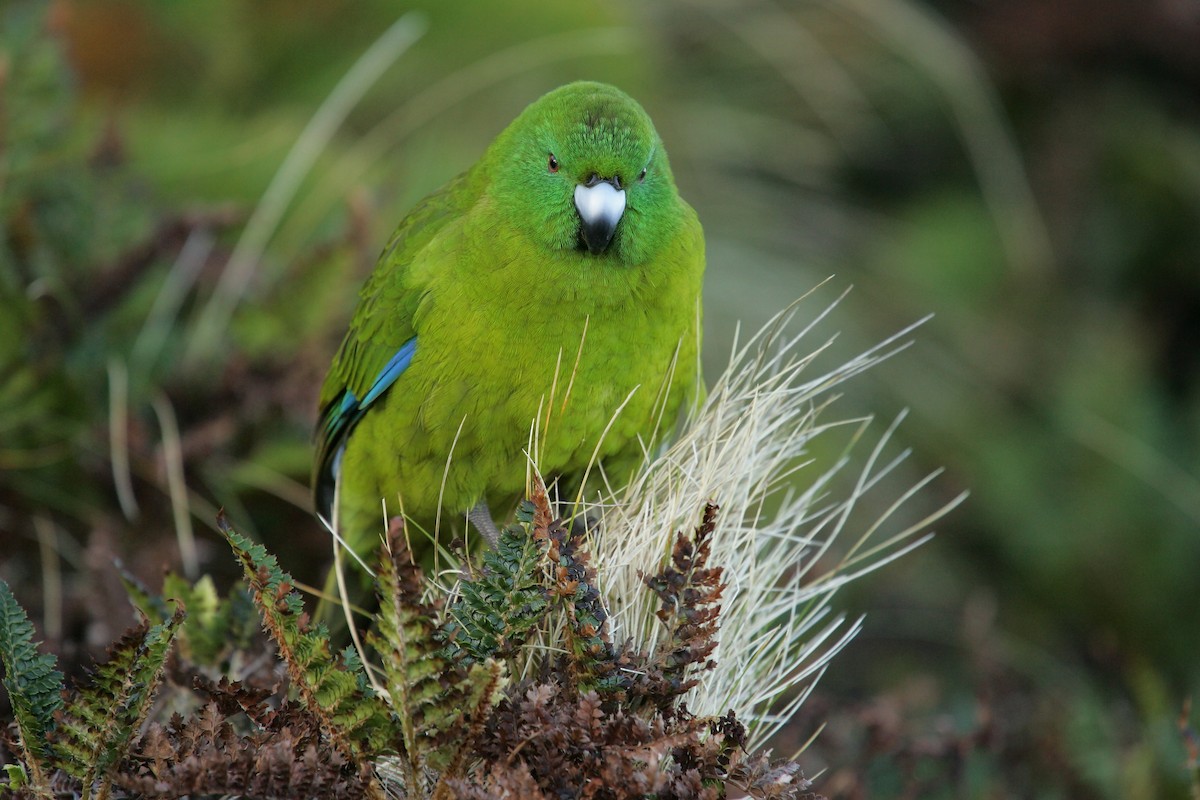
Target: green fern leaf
<point>98,725</point>
<point>359,724</point>
<point>495,613</point>
<point>434,697</point>
<point>214,628</point>
<point>477,692</point>
<point>34,686</point>
<point>406,639</point>
<point>17,778</point>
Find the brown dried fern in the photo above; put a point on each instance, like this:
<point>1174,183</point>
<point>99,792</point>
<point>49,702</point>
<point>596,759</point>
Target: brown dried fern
<point>690,593</point>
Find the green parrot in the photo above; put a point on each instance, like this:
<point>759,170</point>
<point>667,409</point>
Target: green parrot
<point>543,304</point>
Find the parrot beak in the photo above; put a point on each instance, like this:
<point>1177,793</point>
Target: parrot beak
<point>600,205</point>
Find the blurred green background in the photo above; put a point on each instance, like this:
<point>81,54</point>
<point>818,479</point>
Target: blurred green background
<point>192,193</point>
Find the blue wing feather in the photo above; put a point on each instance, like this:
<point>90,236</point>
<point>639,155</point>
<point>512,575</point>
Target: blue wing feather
<point>340,416</point>
<point>388,375</point>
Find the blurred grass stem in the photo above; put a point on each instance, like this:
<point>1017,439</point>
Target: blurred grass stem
<point>1137,457</point>
<point>213,322</point>
<point>118,437</point>
<point>177,485</point>
<point>922,37</point>
<point>164,313</point>
<point>51,575</point>
<point>805,64</point>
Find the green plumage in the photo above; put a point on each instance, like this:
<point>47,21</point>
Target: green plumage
<point>524,320</point>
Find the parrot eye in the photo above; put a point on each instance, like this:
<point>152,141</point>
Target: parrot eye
<point>642,175</point>
<point>553,163</point>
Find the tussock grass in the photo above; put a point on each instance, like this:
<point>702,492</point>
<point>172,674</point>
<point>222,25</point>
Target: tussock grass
<point>787,535</point>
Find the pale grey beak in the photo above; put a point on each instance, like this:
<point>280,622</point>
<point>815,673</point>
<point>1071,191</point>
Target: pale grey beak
<point>600,207</point>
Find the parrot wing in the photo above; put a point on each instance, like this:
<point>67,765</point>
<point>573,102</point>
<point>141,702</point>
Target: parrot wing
<point>381,341</point>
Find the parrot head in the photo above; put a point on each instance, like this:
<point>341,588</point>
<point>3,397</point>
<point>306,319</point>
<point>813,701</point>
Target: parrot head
<point>582,169</point>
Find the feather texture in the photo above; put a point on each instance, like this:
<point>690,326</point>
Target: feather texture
<point>338,419</point>
<point>521,326</point>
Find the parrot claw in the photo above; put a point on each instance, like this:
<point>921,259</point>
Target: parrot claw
<point>481,517</point>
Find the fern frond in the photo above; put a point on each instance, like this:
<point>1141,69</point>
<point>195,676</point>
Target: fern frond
<point>359,724</point>
<point>689,591</point>
<point>205,755</point>
<point>437,700</point>
<point>214,628</point>
<point>33,684</point>
<point>477,692</point>
<point>590,658</point>
<point>411,656</point>
<point>495,613</point>
<point>98,725</point>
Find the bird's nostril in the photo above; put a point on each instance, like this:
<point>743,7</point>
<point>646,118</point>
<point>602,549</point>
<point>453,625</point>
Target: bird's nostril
<point>592,180</point>
<point>616,181</point>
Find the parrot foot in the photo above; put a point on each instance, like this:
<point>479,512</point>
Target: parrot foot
<point>481,517</point>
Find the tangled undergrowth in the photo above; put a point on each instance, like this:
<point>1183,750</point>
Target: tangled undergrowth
<point>187,704</point>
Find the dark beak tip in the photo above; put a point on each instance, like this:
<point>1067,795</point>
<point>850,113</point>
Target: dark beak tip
<point>597,237</point>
